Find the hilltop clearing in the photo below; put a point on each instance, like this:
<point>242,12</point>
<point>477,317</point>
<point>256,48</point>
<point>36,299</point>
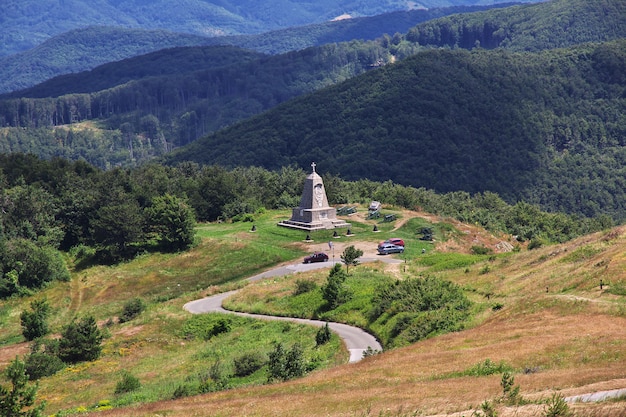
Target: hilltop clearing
<point>567,340</point>
<point>539,314</point>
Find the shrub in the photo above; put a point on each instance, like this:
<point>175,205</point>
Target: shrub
<point>248,363</point>
<point>370,352</point>
<point>20,395</point>
<point>222,326</point>
<point>488,410</point>
<point>80,341</point>
<point>43,359</point>
<point>488,367</point>
<point>334,292</point>
<point>182,391</point>
<point>128,383</point>
<point>34,323</point>
<point>303,286</point>
<point>205,326</point>
<point>27,266</point>
<point>510,391</point>
<point>557,407</point>
<point>132,309</point>
<point>323,335</point>
<point>284,365</point>
<point>480,250</point>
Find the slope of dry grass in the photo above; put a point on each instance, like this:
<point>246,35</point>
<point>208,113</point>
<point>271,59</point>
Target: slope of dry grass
<point>551,322</point>
<point>556,327</point>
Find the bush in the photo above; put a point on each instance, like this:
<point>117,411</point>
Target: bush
<point>248,363</point>
<point>334,292</point>
<point>557,407</point>
<point>182,391</point>
<point>284,365</point>
<point>510,391</point>
<point>132,309</point>
<point>34,323</point>
<point>323,335</point>
<point>80,341</point>
<point>43,359</point>
<point>480,250</point>
<point>535,243</point>
<point>128,383</point>
<point>222,326</point>
<point>26,266</point>
<point>488,367</point>
<point>19,395</point>
<point>205,326</point>
<point>303,286</point>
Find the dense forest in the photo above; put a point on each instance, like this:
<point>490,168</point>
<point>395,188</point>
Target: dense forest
<point>108,216</point>
<point>544,127</point>
<point>65,53</point>
<point>30,22</point>
<point>197,102</point>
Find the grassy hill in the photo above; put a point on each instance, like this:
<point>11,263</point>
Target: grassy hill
<point>540,314</point>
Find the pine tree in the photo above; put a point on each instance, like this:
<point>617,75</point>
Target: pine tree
<point>20,396</point>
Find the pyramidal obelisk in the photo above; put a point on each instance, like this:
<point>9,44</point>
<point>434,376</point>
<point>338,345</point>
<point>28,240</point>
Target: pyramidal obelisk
<point>314,213</point>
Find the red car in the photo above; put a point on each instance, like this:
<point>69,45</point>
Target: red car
<point>394,241</point>
<point>316,257</point>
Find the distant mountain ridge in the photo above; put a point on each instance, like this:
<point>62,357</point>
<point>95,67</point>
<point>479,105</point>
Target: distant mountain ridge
<point>85,48</point>
<point>543,126</point>
<point>540,127</point>
<point>27,23</point>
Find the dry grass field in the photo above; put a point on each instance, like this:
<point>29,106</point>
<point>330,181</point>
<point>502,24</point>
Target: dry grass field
<point>553,323</point>
<point>543,313</point>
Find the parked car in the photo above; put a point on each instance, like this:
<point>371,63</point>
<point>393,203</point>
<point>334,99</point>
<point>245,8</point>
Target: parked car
<point>388,248</point>
<point>316,257</point>
<point>394,241</point>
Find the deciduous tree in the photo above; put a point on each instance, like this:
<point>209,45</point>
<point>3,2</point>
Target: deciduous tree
<point>350,256</point>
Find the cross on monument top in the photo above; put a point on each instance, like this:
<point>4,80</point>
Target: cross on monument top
<point>313,165</point>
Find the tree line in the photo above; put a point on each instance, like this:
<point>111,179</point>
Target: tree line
<point>107,216</point>
<point>540,127</point>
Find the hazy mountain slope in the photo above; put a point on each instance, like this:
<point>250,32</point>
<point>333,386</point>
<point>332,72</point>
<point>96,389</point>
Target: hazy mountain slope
<point>83,49</point>
<point>27,23</point>
<point>553,24</point>
<point>516,124</point>
<point>165,62</point>
<point>364,28</point>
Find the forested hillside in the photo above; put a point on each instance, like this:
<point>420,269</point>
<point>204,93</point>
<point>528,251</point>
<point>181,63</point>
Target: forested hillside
<point>543,127</point>
<point>553,24</point>
<point>85,48</point>
<point>111,216</point>
<point>450,119</point>
<point>27,23</point>
<point>82,49</point>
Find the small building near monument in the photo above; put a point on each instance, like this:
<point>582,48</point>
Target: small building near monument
<point>314,213</point>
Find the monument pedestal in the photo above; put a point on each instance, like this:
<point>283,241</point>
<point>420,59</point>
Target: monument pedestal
<point>314,213</point>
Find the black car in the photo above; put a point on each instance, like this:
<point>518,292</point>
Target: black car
<point>316,257</point>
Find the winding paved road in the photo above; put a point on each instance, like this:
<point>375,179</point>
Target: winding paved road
<point>357,340</point>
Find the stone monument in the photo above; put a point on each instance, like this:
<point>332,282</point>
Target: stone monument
<point>314,213</point>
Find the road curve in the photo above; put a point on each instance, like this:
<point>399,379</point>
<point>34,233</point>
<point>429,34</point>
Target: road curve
<point>597,396</point>
<point>357,340</point>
